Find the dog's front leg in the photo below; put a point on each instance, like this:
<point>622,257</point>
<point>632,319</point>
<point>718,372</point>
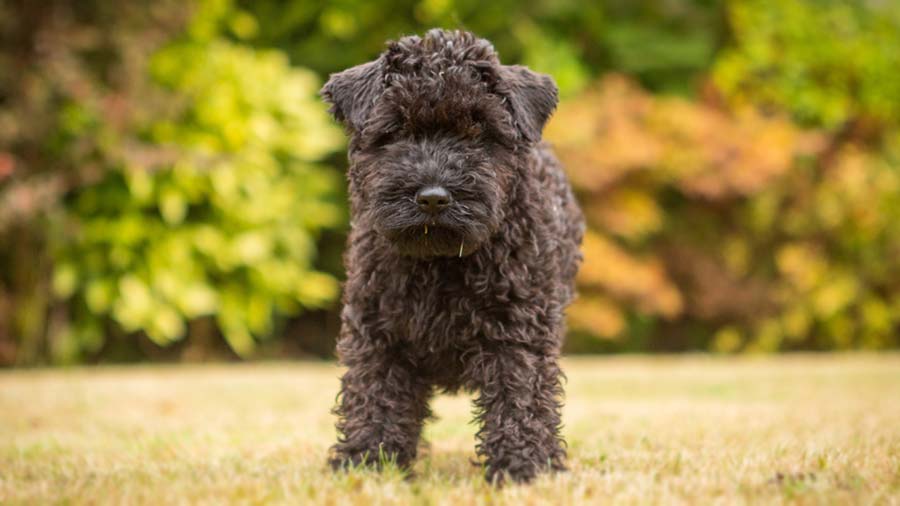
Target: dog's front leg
<point>519,409</point>
<point>381,407</point>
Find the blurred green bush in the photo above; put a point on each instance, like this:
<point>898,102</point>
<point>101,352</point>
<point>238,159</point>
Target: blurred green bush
<point>666,45</point>
<point>826,62</point>
<point>206,198</point>
<point>167,172</point>
<point>228,226</point>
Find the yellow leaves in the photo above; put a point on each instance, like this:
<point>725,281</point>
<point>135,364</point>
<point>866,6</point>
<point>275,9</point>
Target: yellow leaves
<point>796,322</point>
<point>243,25</point>
<point>316,289</point>
<point>225,181</point>
<point>244,101</point>
<point>140,184</point>
<point>212,243</point>
<point>727,340</point>
<point>196,299</point>
<point>767,337</point>
<point>835,294</point>
<point>340,22</point>
<point>642,281</point>
<point>801,264</point>
<point>65,280</point>
<point>817,291</point>
<point>877,316</point>
<point>598,315</point>
<point>232,320</point>
<point>251,246</point>
<point>98,295</point>
<point>172,205</point>
<point>736,255</point>
<point>134,306</point>
<point>829,289</point>
<point>627,212</point>
<point>165,326</point>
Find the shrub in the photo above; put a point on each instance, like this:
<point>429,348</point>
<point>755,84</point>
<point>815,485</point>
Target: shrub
<point>827,62</point>
<point>205,193</point>
<point>223,226</point>
<point>728,230</point>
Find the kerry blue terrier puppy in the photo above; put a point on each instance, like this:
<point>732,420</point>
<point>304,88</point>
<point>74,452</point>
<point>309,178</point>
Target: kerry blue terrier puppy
<point>462,253</point>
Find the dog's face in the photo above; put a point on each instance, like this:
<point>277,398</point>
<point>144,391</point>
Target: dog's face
<point>438,128</point>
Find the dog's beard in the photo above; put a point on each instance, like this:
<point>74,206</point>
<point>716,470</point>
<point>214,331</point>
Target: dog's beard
<point>456,232</point>
<point>430,241</point>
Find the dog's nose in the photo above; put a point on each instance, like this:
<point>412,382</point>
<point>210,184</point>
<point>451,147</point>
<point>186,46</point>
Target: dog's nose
<point>433,199</point>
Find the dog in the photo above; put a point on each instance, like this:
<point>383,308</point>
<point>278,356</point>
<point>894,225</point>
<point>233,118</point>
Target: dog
<point>462,254</point>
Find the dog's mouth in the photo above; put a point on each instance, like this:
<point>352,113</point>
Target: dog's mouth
<point>431,240</point>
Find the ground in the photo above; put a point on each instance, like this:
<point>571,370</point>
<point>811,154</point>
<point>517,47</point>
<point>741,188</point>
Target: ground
<point>673,430</point>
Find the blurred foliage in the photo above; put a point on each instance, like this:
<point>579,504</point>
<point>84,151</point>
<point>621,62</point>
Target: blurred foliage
<point>719,222</point>
<point>729,229</point>
<point>827,62</point>
<point>666,45</point>
<point>205,198</point>
<point>55,63</point>
<point>167,174</point>
<point>227,227</point>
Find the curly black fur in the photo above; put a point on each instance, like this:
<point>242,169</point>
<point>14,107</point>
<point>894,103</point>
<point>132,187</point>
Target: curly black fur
<point>471,298</point>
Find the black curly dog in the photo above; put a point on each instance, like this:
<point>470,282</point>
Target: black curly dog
<point>462,253</point>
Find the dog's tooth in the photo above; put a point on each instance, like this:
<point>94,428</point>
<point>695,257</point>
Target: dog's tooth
<point>460,247</point>
<point>426,229</point>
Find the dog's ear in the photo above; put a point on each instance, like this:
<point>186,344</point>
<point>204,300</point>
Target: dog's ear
<point>352,92</point>
<point>532,98</point>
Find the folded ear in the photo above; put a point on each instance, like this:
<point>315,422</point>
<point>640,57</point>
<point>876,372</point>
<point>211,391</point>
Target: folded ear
<point>532,98</point>
<point>352,92</point>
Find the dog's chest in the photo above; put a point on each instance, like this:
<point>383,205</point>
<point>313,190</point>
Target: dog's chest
<point>436,307</point>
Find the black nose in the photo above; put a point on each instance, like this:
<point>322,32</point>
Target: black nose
<point>433,199</point>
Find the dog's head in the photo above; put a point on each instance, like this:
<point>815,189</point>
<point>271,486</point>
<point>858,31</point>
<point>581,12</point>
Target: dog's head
<point>438,128</point>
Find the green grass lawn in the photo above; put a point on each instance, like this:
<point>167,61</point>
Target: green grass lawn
<point>692,430</point>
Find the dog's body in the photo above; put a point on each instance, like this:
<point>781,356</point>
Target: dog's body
<point>462,253</point>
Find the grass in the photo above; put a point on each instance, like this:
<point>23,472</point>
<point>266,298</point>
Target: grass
<point>685,430</point>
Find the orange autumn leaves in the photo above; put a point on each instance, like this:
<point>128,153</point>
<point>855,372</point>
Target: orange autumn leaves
<point>626,150</point>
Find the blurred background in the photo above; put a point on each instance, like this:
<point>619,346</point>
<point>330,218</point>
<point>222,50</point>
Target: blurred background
<point>171,187</point>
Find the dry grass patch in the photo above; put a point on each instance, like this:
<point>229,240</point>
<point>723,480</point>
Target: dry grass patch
<point>675,430</point>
